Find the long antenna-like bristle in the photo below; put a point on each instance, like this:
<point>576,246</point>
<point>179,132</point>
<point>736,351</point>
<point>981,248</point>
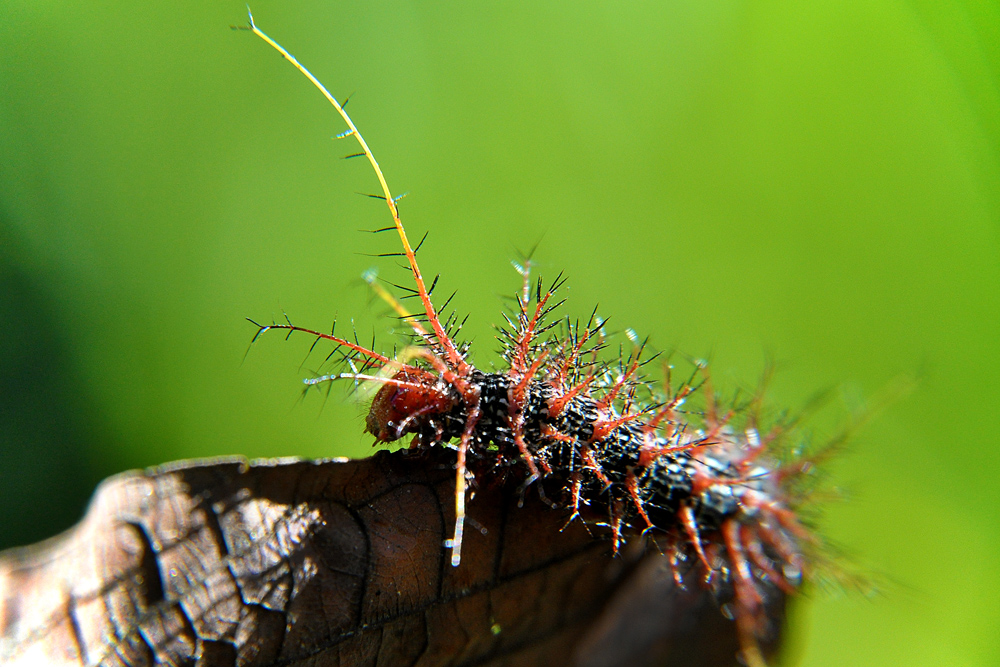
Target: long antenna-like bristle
<point>447,345</point>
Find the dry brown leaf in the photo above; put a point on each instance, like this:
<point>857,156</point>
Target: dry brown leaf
<point>222,563</point>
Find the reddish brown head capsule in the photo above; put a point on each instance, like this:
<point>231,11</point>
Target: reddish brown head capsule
<point>407,403</point>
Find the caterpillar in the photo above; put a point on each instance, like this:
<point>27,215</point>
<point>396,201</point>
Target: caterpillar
<point>709,487</point>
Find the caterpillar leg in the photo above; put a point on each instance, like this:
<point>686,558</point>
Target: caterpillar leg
<point>616,524</point>
<point>632,484</point>
<point>691,528</point>
<point>576,481</point>
<point>460,471</point>
<point>748,603</point>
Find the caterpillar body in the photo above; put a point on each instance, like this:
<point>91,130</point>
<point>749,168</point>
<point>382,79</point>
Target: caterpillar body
<point>706,486</point>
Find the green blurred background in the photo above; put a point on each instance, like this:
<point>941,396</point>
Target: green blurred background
<point>815,181</point>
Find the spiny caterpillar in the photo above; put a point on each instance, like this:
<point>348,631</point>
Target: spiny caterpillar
<point>713,492</point>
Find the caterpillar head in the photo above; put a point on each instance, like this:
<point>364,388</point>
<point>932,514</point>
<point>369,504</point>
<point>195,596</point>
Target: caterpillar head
<point>409,403</point>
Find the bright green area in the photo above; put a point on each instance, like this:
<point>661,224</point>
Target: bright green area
<point>814,181</point>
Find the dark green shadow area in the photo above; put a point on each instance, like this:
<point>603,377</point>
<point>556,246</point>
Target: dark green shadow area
<point>47,423</point>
